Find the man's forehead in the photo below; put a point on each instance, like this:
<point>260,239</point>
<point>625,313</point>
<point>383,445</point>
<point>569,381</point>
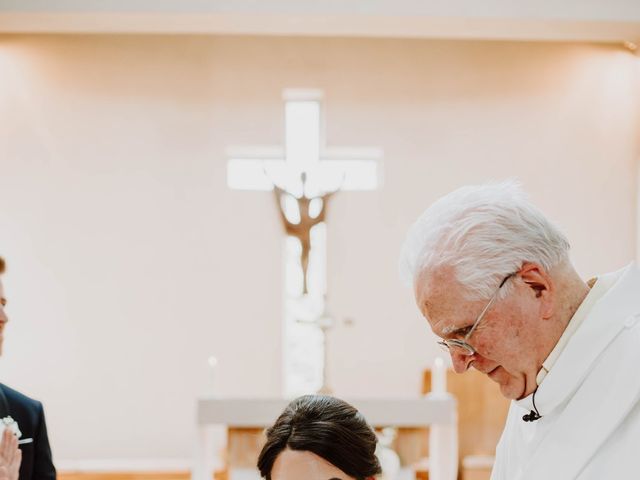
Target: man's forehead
<point>435,285</point>
<point>439,297</point>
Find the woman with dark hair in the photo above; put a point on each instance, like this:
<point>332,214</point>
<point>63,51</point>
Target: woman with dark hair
<point>319,438</point>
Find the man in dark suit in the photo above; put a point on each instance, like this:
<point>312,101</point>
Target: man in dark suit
<point>29,414</point>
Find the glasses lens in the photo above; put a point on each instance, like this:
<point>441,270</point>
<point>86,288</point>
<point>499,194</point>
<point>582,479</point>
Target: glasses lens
<point>461,348</point>
<point>458,347</point>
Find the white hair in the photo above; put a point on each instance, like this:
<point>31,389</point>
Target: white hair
<point>485,232</point>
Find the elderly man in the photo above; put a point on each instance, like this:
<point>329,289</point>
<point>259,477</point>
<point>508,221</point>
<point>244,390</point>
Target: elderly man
<point>28,413</point>
<point>493,278</point>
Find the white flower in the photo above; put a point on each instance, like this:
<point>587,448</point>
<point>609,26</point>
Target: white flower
<point>11,424</point>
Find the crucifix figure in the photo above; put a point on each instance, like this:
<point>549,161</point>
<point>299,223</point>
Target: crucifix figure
<point>302,228</point>
<point>302,207</point>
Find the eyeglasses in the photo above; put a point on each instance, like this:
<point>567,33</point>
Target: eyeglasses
<point>461,346</point>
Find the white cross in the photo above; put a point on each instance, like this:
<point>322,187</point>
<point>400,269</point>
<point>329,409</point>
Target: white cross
<point>257,168</point>
<point>304,151</point>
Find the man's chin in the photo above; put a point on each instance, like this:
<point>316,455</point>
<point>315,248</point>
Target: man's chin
<point>509,385</point>
<point>509,392</point>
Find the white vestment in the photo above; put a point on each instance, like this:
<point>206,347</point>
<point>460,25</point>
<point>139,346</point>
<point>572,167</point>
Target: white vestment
<point>589,401</point>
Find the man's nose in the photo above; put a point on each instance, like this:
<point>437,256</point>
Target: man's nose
<point>3,316</point>
<point>461,363</point>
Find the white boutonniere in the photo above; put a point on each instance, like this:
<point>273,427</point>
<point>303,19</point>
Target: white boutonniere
<point>11,424</point>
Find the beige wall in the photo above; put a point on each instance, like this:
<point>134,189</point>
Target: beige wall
<point>131,262</point>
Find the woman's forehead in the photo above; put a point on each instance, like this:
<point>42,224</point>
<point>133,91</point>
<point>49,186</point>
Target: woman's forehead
<point>297,464</point>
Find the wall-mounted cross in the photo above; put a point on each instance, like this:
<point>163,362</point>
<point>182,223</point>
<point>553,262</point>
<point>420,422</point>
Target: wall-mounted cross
<point>325,169</point>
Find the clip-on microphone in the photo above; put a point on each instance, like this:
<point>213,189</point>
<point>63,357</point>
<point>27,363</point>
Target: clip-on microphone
<point>532,416</point>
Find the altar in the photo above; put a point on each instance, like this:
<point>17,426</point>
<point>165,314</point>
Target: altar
<point>436,410</point>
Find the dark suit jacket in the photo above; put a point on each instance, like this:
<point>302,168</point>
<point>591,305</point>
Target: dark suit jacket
<point>36,456</point>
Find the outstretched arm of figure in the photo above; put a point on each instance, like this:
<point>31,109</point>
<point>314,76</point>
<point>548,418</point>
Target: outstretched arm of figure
<point>325,197</point>
<point>323,209</point>
<point>279,195</point>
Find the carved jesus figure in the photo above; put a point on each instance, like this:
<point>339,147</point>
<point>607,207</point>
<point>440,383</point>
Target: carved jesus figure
<point>302,229</point>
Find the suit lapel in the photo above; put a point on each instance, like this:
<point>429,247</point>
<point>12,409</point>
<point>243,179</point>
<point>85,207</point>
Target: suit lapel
<point>4,404</point>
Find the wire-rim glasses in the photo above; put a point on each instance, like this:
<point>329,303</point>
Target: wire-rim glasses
<point>462,346</point>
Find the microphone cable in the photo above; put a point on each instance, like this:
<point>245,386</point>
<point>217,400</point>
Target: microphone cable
<point>533,415</point>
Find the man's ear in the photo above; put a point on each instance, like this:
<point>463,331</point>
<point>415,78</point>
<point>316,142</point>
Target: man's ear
<point>539,280</point>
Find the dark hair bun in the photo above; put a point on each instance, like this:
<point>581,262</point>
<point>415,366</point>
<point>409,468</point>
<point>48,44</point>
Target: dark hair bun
<point>328,427</point>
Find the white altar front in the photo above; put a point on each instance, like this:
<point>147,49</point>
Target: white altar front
<point>436,410</point>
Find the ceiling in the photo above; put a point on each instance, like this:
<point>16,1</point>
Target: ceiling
<point>566,20</point>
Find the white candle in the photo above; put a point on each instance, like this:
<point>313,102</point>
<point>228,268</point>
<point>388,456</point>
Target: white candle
<point>438,376</point>
<point>213,363</point>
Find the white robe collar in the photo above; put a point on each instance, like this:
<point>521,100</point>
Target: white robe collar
<point>603,324</point>
<point>577,417</point>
